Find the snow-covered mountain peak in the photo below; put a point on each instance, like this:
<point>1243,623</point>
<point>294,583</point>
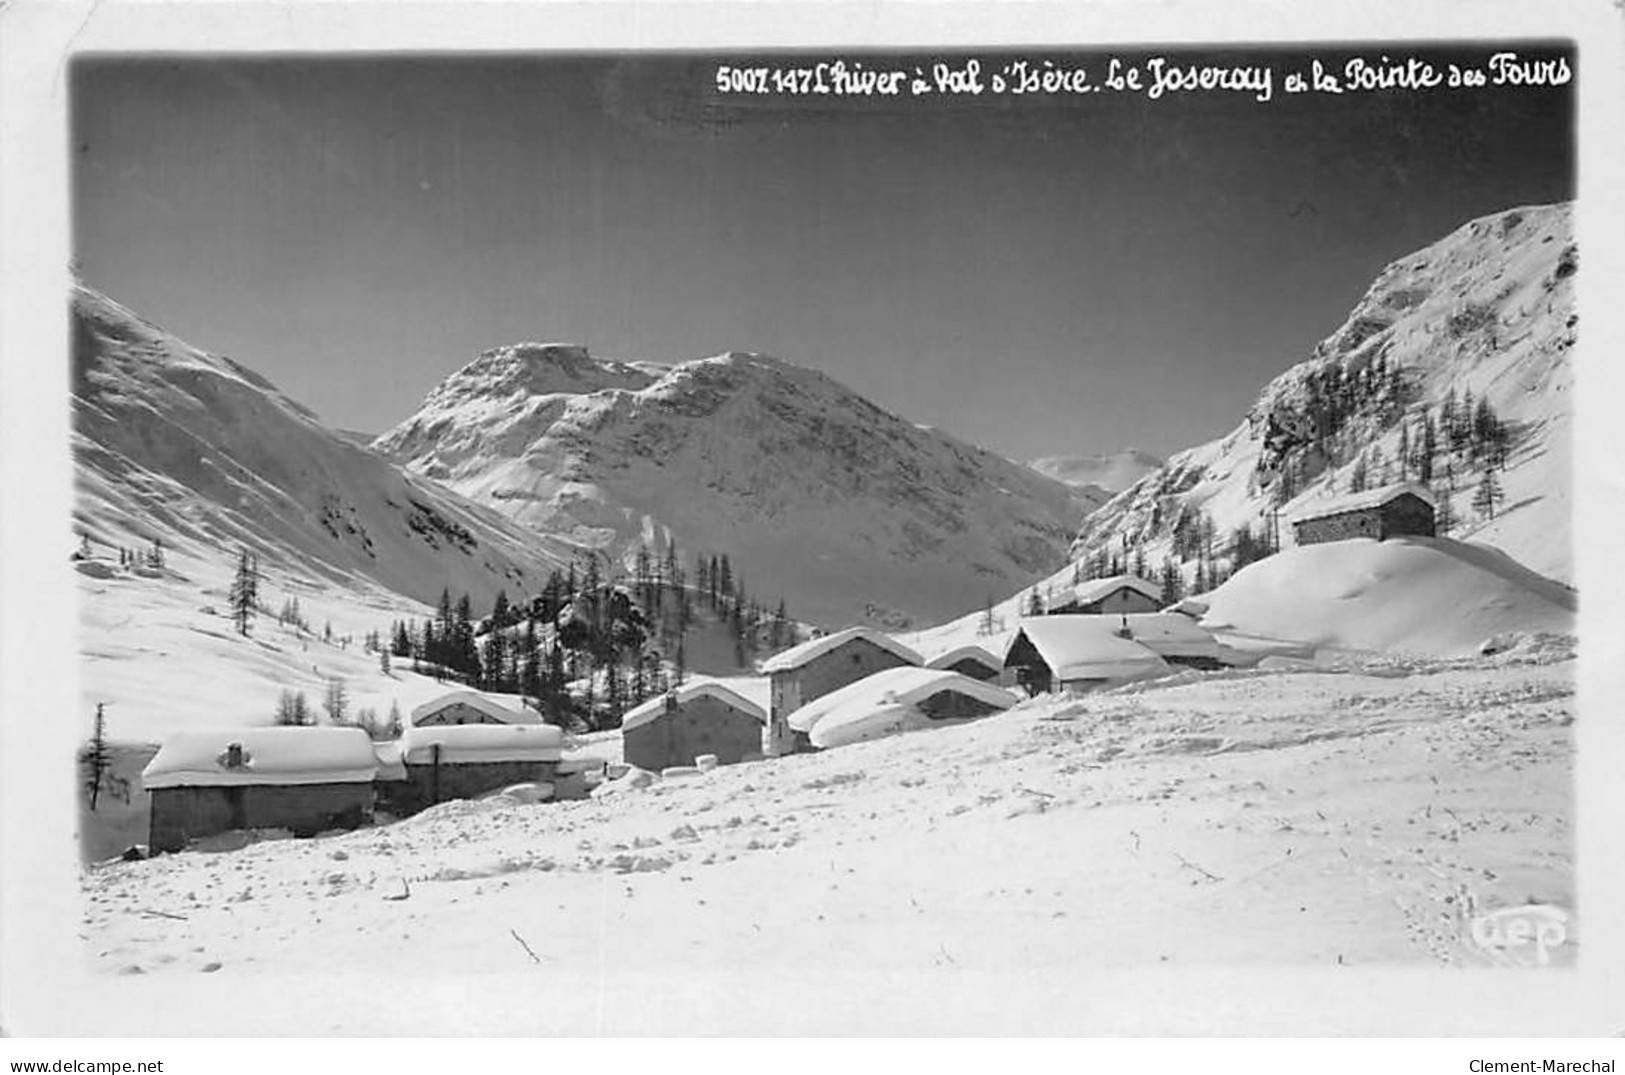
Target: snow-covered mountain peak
<point>1110,473</point>
<point>534,369</point>
<point>205,455</point>
<point>843,508</point>
<point>1483,316</point>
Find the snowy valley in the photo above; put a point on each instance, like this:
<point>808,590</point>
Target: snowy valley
<point>1386,759</point>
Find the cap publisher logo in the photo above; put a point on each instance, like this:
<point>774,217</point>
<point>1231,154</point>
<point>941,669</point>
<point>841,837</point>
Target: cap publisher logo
<point>1525,935</point>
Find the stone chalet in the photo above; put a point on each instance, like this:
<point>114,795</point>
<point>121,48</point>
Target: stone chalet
<point>816,667</point>
<point>699,718</point>
<point>305,780</point>
<point>1405,509</point>
<point>977,662</point>
<point>1110,597</point>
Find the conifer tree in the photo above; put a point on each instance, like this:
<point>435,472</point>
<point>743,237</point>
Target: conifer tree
<point>1358,475</point>
<point>293,708</point>
<point>336,700</point>
<point>673,570</point>
<point>437,640</point>
<point>643,573</point>
<point>1444,515</point>
<point>530,665</point>
<point>1172,583</point>
<point>1461,430</point>
<point>1424,458</point>
<point>1489,495</point>
<point>465,655</point>
<point>98,757</point>
<point>243,596</point>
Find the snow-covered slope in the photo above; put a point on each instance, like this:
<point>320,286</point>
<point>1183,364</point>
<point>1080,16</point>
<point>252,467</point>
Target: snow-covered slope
<point>846,511</point>
<point>1388,596</point>
<point>1488,310</point>
<point>206,456</point>
<point>1296,819</point>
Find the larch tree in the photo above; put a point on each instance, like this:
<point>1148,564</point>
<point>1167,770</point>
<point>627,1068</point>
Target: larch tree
<point>336,700</point>
<point>97,758</point>
<point>243,597</point>
<point>1489,495</point>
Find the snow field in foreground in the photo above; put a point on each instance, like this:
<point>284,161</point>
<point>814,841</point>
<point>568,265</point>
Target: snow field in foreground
<point>1303,817</point>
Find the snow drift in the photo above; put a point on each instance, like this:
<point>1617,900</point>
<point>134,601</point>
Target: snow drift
<point>1431,596</point>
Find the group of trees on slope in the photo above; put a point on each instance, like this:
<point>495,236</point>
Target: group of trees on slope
<point>1446,447</point>
<point>590,645</point>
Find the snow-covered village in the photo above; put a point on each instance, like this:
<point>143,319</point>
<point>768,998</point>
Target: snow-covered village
<point>735,666</point>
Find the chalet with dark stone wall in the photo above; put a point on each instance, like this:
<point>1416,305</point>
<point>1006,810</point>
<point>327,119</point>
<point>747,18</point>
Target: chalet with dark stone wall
<point>1392,511</point>
<point>304,780</point>
<point>973,661</point>
<point>465,761</point>
<point>690,722</point>
<point>1110,597</point>
<point>814,668</point>
<point>468,707</point>
<point>893,701</point>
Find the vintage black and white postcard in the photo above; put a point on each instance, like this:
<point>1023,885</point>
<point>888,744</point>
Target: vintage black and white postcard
<point>950,521</point>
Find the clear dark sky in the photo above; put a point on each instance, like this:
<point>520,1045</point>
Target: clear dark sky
<point>1035,275</point>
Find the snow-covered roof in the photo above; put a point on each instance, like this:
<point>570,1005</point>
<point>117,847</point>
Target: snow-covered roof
<point>1170,634</point>
<point>979,654</point>
<point>895,686</point>
<point>474,700</point>
<point>811,650</point>
<point>1194,607</point>
<point>481,743</point>
<point>388,757</point>
<point>280,755</point>
<point>1315,506</point>
<point>1086,647</point>
<point>654,707</point>
<point>1092,590</point>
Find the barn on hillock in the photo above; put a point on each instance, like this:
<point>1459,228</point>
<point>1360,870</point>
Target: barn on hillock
<point>1110,597</point>
<point>814,668</point>
<point>688,722</point>
<point>305,780</point>
<point>1404,509</point>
